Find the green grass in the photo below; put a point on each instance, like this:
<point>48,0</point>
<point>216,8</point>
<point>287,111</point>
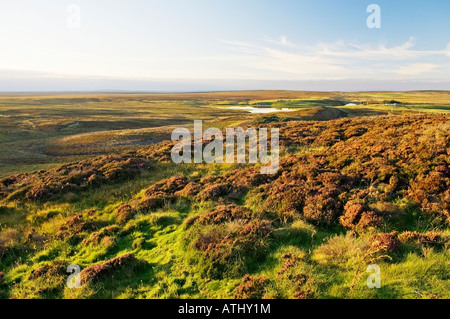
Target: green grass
<point>169,273</point>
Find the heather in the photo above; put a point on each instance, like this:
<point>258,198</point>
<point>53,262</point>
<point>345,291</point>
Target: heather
<point>350,192</point>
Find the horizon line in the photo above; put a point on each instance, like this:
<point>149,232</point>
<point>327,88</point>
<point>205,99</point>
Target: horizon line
<point>107,91</point>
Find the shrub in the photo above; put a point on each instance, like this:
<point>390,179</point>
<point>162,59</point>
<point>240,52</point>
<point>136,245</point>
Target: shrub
<point>227,240</point>
<point>224,213</point>
<point>169,186</point>
<point>369,219</point>
<point>281,199</point>
<point>296,281</point>
<point>189,190</point>
<point>355,217</point>
<point>387,242</point>
<point>341,249</point>
<point>322,209</point>
<point>40,193</point>
<point>430,191</point>
<point>74,228</point>
<point>251,287</point>
<point>96,237</point>
<point>290,261</point>
<point>124,213</point>
<point>213,192</point>
<point>155,201</point>
<point>44,185</point>
<point>108,268</point>
<point>408,236</point>
<point>352,215</point>
<point>256,229</point>
<point>430,238</point>
<point>52,269</point>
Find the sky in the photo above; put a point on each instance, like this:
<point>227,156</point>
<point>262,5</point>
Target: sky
<point>196,45</point>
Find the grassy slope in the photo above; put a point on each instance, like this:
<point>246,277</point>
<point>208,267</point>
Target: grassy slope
<point>173,270</point>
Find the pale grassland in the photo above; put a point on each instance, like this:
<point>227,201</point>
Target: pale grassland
<point>42,130</point>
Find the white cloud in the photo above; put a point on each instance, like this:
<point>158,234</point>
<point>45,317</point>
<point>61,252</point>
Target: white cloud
<point>283,59</point>
<point>284,40</point>
<point>417,68</point>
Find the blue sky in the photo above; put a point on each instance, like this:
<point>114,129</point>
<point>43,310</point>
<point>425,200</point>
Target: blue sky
<point>227,44</point>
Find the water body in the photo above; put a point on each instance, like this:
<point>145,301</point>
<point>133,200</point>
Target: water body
<point>255,110</point>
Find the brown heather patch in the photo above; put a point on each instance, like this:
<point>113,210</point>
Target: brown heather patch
<point>154,201</point>
<point>169,186</point>
<point>257,229</point>
<point>108,268</point>
<point>96,237</point>
<point>224,213</point>
<point>227,238</point>
<point>386,242</point>
<point>357,152</point>
<point>45,184</point>
<point>323,208</point>
<point>430,238</point>
<point>156,196</point>
<point>251,287</point>
<point>238,234</point>
<point>52,269</point>
<point>290,261</point>
<point>74,226</point>
<point>408,236</point>
<point>190,190</point>
<point>356,217</point>
<point>300,281</point>
<point>124,213</point>
<point>213,192</point>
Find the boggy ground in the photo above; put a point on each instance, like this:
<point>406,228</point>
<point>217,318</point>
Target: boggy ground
<point>349,193</point>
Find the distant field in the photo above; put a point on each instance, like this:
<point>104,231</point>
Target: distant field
<point>41,130</point>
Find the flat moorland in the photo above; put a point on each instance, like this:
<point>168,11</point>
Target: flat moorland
<point>41,131</point>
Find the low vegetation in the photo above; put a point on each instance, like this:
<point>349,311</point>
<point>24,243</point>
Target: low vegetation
<point>350,192</point>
